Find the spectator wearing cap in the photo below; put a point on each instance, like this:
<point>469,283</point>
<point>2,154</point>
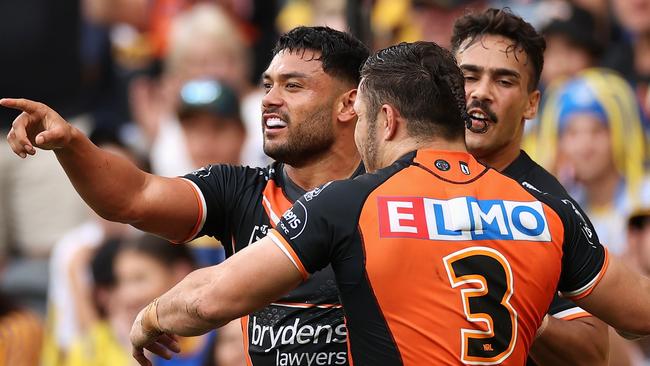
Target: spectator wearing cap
<point>593,140</point>
<point>204,42</point>
<point>208,129</point>
<point>211,123</point>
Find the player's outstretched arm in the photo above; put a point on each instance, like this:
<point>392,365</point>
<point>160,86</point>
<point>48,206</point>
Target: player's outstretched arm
<point>564,342</point>
<point>621,299</point>
<point>211,297</point>
<point>112,186</point>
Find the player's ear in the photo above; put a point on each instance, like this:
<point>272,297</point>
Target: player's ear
<point>345,110</point>
<point>532,104</point>
<point>391,123</point>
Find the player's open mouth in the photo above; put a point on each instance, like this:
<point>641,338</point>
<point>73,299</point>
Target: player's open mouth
<point>480,120</point>
<point>274,123</point>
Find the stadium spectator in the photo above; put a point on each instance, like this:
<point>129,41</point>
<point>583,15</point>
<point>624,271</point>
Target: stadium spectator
<point>203,43</point>
<point>147,267</point>
<point>638,256</point>
<point>593,140</point>
<point>502,58</point>
<point>102,339</point>
<point>21,333</point>
<point>211,122</point>
<point>630,56</point>
<point>395,21</point>
<point>572,45</point>
<point>227,347</point>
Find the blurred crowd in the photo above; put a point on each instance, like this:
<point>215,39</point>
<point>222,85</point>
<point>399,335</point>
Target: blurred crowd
<point>173,85</point>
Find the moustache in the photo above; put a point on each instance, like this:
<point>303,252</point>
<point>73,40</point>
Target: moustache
<point>485,108</point>
<point>283,115</point>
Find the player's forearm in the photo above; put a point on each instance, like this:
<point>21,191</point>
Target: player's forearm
<point>107,182</point>
<point>582,341</point>
<point>183,309</point>
<point>211,297</point>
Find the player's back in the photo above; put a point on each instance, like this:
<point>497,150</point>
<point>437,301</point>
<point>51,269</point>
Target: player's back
<point>441,261</point>
<point>443,244</point>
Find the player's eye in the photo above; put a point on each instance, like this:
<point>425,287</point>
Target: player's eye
<point>470,78</point>
<point>505,83</point>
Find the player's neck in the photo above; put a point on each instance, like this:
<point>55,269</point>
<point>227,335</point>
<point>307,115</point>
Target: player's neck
<point>502,158</point>
<point>394,150</point>
<point>335,165</point>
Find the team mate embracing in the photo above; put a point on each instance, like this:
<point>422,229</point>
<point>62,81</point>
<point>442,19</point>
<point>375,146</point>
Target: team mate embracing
<point>501,57</point>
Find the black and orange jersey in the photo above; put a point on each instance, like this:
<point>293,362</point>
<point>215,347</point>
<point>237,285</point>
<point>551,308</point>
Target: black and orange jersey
<point>440,260</point>
<point>238,206</point>
<point>530,174</point>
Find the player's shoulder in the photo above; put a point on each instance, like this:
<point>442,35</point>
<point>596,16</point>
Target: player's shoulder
<point>567,210</point>
<point>530,174</point>
<point>348,193</point>
<point>224,171</point>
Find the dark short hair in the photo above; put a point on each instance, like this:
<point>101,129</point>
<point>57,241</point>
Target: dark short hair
<point>160,250</point>
<point>102,263</point>
<point>502,22</point>
<point>340,53</point>
<point>423,82</point>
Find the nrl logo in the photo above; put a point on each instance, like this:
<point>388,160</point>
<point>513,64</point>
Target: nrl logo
<point>315,192</point>
<point>259,231</point>
<point>203,172</point>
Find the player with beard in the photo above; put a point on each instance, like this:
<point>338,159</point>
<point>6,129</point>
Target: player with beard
<point>501,57</point>
<point>308,122</point>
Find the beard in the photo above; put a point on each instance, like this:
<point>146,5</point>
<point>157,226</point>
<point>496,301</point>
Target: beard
<point>306,141</point>
<point>369,151</point>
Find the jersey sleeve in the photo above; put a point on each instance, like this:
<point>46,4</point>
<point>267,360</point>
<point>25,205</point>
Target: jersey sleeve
<point>219,189</point>
<point>565,309</point>
<point>584,259</point>
<point>318,228</point>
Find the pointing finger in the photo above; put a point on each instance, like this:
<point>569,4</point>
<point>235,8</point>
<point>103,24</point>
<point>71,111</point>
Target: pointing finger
<point>25,105</point>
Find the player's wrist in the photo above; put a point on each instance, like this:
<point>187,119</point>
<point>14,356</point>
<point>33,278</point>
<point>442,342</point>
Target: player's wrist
<point>150,322</point>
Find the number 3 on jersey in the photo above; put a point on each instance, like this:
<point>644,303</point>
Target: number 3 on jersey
<point>486,278</point>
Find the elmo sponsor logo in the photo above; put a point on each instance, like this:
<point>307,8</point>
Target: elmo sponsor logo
<point>462,218</point>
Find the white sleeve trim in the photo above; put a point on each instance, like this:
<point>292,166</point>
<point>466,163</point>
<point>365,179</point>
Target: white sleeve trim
<point>569,312</point>
<point>280,245</point>
<point>204,209</point>
<point>584,288</point>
